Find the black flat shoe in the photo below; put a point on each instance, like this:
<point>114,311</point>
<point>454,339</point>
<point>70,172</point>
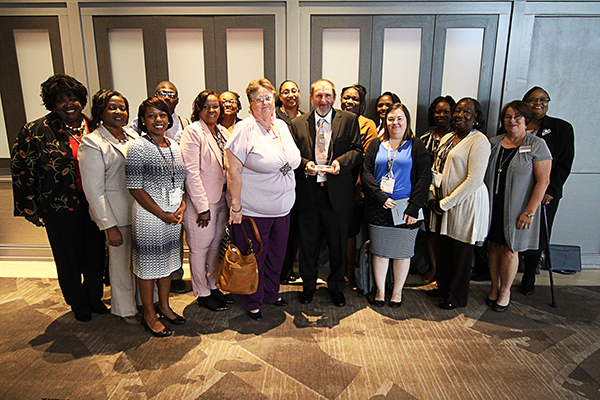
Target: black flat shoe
<point>212,303</point>
<point>83,316</point>
<point>164,333</point>
<point>446,305</point>
<point>178,320</point>
<point>527,292</point>
<point>489,302</point>
<point>306,296</point>
<point>223,298</point>
<point>395,304</point>
<point>257,316</point>
<point>379,303</point>
<point>498,308</point>
<point>280,303</point>
<point>100,309</point>
<point>338,299</point>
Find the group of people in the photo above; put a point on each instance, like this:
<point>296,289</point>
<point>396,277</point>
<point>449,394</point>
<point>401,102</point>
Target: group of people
<point>302,177</point>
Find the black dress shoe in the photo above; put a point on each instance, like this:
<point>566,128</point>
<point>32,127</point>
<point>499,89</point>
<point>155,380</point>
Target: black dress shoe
<point>379,303</point>
<point>306,296</point>
<point>223,298</point>
<point>338,299</point>
<point>212,303</point>
<point>446,305</point>
<point>433,293</point>
<point>178,320</point>
<point>280,303</point>
<point>100,309</point>
<point>395,304</point>
<point>489,302</point>
<point>178,286</point>
<point>164,333</point>
<point>527,292</point>
<point>498,308</point>
<point>257,316</point>
<point>83,316</point>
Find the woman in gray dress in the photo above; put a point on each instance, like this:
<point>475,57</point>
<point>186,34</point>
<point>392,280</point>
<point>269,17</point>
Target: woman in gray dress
<point>517,176</point>
<point>155,175</point>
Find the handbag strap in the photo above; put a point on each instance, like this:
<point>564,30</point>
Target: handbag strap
<point>256,235</point>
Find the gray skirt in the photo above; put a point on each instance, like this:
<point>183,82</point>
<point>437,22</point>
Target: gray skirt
<point>390,242</point>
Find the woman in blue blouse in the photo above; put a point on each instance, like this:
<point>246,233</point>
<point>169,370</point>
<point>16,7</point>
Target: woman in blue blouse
<point>396,176</point>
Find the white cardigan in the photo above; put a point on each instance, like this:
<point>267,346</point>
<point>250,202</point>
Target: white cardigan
<point>465,197</point>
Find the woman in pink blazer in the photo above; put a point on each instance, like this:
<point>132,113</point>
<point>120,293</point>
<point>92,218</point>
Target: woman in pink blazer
<point>202,146</point>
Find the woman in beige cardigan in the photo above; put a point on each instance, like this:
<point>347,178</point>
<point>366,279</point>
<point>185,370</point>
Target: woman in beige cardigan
<point>101,157</point>
<point>459,203</point>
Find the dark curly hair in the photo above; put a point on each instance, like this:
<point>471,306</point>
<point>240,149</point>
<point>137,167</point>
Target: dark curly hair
<point>237,98</point>
<point>100,101</point>
<point>480,121</point>
<point>155,102</point>
<point>60,84</point>
<point>362,94</point>
<point>408,134</point>
<point>436,101</point>
<point>200,101</point>
<point>520,107</point>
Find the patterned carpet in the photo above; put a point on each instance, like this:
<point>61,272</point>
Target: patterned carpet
<point>314,351</point>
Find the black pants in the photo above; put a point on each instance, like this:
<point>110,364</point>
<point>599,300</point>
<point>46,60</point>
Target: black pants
<point>454,259</point>
<point>78,249</point>
<point>336,225</point>
<point>531,258</point>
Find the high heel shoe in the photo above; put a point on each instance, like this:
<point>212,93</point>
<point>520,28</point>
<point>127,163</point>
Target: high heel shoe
<point>178,320</point>
<point>489,302</point>
<point>498,308</point>
<point>257,316</point>
<point>164,333</point>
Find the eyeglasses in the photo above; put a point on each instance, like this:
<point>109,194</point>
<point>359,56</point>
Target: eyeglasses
<point>516,117</point>
<point>259,100</point>
<point>164,93</point>
<point>229,102</point>
<point>536,99</point>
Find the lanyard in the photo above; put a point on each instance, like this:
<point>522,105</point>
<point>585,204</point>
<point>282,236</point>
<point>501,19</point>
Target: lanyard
<point>164,158</point>
<point>390,171</point>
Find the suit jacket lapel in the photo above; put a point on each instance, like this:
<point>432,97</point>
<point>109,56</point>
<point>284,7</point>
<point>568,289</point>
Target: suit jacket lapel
<point>111,139</point>
<point>336,122</point>
<point>312,133</point>
<point>211,141</point>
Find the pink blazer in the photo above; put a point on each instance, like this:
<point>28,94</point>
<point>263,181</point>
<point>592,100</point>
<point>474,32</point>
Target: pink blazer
<point>204,164</point>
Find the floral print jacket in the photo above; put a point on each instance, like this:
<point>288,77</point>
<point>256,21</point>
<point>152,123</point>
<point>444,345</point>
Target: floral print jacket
<point>43,169</point>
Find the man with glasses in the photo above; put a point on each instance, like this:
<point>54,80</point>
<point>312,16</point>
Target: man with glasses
<point>329,143</point>
<point>168,92</point>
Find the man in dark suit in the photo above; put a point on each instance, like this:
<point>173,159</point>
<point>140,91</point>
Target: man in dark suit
<point>329,143</point>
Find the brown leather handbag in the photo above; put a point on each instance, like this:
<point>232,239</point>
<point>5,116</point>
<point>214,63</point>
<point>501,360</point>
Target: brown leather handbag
<point>238,273</point>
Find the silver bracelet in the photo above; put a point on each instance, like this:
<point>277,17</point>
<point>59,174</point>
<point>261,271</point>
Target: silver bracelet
<point>529,215</point>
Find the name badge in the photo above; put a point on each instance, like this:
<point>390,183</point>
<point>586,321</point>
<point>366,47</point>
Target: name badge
<point>525,149</point>
<point>387,185</point>
<point>437,179</point>
<point>175,196</point>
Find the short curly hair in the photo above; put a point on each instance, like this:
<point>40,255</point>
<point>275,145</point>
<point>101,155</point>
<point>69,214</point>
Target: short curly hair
<point>100,101</point>
<point>155,102</point>
<point>200,101</point>
<point>480,120</point>
<point>256,84</point>
<point>518,106</point>
<point>60,84</point>
<point>440,99</point>
<point>362,94</point>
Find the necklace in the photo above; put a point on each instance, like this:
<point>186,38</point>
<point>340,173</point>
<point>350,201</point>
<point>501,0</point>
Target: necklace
<point>76,133</point>
<point>503,161</point>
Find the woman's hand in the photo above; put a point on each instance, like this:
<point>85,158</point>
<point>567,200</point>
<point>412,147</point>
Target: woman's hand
<point>389,203</point>
<point>180,211</point>
<point>35,219</point>
<point>547,199</point>
<point>409,220</point>
<point>434,205</point>
<point>524,222</point>
<point>203,219</point>
<point>170,218</point>
<point>235,217</point>
<point>114,236</point>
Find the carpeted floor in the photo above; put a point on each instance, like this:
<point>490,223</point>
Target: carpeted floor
<point>314,351</point>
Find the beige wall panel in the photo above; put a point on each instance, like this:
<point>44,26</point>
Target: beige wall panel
<point>462,62</point>
<point>341,55</point>
<point>35,66</point>
<point>245,61</point>
<point>4,145</point>
<point>185,52</point>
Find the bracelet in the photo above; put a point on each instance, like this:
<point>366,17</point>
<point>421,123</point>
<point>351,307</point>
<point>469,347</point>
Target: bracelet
<point>529,215</point>
<point>235,212</point>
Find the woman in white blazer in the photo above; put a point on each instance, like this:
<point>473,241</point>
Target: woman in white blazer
<point>202,146</point>
<point>460,203</point>
<point>101,158</point>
